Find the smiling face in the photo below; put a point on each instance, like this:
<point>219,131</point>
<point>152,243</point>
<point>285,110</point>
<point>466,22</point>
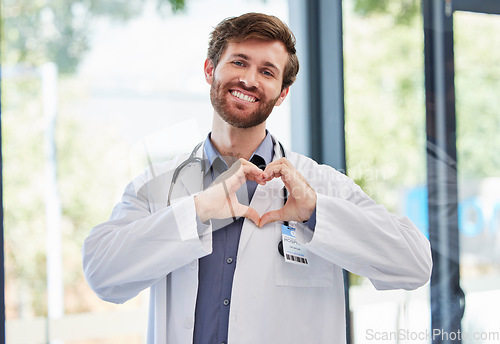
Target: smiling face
<point>246,84</point>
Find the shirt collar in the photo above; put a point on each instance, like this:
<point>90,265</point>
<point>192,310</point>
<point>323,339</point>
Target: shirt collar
<point>265,151</point>
<point>210,153</point>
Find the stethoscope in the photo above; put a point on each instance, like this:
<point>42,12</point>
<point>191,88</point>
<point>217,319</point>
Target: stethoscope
<point>194,159</point>
<point>191,159</point>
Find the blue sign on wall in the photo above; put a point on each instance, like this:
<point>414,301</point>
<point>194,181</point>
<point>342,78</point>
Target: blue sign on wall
<point>473,217</point>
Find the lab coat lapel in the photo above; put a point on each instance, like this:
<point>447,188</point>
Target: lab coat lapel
<point>191,179</point>
<point>267,197</point>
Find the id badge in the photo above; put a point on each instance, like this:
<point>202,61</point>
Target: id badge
<point>293,252</point>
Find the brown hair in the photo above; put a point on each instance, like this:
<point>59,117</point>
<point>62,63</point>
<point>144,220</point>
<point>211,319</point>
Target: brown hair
<point>255,26</point>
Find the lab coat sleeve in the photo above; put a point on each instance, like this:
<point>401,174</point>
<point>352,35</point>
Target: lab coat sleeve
<point>355,233</point>
<point>136,247</point>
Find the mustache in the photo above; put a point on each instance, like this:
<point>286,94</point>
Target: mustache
<point>244,87</point>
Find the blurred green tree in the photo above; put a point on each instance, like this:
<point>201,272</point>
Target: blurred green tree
<point>477,81</point>
<point>35,32</point>
<point>384,97</point>
<point>402,12</point>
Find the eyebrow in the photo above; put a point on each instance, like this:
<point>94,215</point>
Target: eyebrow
<point>267,64</point>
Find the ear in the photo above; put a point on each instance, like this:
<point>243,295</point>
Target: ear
<point>282,96</point>
<point>209,71</point>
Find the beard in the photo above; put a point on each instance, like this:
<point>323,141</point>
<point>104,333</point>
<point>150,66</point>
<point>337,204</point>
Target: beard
<point>218,94</point>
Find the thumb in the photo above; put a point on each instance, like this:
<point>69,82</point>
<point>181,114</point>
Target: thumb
<point>273,215</point>
<point>251,214</point>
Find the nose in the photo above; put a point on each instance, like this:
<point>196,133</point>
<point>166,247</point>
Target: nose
<point>249,77</point>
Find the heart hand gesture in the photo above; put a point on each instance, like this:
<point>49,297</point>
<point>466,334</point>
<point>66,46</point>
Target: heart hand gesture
<point>219,201</point>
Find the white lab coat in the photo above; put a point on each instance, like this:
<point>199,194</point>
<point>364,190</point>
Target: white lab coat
<point>146,244</point>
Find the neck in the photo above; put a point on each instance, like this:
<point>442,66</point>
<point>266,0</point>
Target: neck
<point>236,142</point>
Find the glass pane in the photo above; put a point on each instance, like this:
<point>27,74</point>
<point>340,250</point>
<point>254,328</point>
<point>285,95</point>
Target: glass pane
<point>385,143</point>
<point>89,92</point>
<point>477,81</point>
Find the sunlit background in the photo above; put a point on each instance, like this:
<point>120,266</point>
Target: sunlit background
<point>90,89</point>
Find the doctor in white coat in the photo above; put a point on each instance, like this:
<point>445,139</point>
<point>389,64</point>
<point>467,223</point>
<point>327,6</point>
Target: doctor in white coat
<point>160,230</point>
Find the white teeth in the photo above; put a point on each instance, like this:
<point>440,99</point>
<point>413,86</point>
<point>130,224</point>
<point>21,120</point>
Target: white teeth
<point>244,97</point>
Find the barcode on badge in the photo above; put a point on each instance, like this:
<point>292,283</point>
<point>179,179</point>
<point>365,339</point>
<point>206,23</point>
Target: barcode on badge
<point>296,259</point>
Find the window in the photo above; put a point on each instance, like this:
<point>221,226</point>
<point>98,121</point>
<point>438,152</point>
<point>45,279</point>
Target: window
<point>81,114</point>
<point>385,149</point>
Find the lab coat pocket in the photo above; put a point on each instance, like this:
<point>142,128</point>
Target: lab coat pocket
<point>318,273</point>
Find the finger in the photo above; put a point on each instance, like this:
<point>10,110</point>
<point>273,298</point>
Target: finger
<point>279,165</point>
<point>238,174</point>
<point>246,166</point>
<point>280,171</point>
<point>246,172</point>
<point>272,171</point>
<point>272,216</point>
<point>253,173</point>
<point>252,215</point>
<point>254,167</point>
<point>282,161</point>
<point>279,161</point>
<point>274,163</point>
<point>232,171</point>
<point>251,169</point>
<point>228,200</point>
<point>247,212</point>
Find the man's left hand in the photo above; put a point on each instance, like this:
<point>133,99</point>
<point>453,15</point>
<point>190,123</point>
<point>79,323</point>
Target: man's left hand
<point>301,196</point>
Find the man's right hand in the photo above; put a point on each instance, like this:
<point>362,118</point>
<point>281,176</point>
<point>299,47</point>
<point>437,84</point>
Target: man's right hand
<point>219,201</point>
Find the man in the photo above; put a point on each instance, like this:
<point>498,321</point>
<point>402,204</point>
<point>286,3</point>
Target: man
<point>211,245</point>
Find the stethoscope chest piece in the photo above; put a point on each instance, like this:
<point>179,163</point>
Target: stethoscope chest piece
<point>280,248</point>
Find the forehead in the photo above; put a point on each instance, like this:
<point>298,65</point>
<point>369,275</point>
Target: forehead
<point>259,51</point>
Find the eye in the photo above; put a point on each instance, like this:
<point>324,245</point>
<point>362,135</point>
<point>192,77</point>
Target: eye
<point>267,73</point>
<point>238,63</point>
